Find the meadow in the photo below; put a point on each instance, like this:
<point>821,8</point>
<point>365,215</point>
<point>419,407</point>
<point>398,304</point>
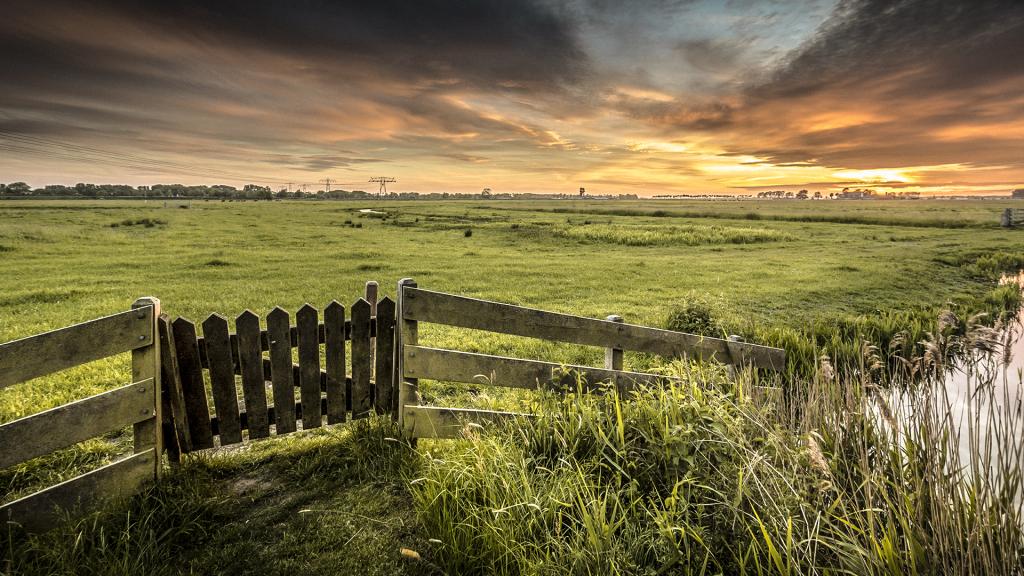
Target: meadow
<point>806,275</point>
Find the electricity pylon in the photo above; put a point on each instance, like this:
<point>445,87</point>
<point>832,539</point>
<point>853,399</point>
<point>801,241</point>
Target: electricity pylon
<point>383,181</point>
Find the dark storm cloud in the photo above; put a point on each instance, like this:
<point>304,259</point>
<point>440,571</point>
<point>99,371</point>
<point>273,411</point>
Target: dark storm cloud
<point>945,44</point>
<point>278,83</point>
<point>488,45</point>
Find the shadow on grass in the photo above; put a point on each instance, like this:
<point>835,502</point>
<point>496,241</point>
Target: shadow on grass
<point>326,502</point>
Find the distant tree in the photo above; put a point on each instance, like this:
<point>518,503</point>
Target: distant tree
<point>486,193</point>
<point>253,191</point>
<point>801,195</point>
<point>1018,193</point>
<point>789,194</point>
<point>817,194</point>
<point>18,189</point>
<point>58,190</point>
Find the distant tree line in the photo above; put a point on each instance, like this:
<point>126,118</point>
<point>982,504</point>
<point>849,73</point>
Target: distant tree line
<point>252,192</point>
<point>846,194</point>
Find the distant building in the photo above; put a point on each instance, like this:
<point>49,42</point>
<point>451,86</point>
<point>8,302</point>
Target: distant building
<point>1018,193</point>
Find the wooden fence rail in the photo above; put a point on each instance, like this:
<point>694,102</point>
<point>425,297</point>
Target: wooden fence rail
<point>238,371</point>
<point>414,362</point>
<point>137,404</point>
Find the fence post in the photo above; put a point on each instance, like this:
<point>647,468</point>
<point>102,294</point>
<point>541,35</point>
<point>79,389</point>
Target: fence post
<point>613,356</point>
<point>407,332</point>
<point>1007,219</point>
<point>733,361</point>
<point>146,364</point>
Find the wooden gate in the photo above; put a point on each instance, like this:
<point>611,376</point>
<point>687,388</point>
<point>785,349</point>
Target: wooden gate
<point>136,404</point>
<point>415,362</point>
<point>238,371</point>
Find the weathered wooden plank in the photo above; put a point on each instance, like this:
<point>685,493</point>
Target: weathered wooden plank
<point>362,393</point>
<point>309,367</point>
<point>146,366</point>
<point>250,365</point>
<point>334,352</point>
<point>38,512</point>
<point>455,366</point>
<point>169,437</point>
<point>406,334</point>
<point>278,331</point>
<point>49,352</point>
<point>171,380</point>
<point>222,378</point>
<point>452,310</point>
<point>385,396</point>
<point>193,388</point>
<point>370,295</point>
<point>449,423</point>
<point>69,424</point>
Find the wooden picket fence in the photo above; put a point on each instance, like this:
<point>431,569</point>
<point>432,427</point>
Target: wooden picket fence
<point>326,392</point>
<point>415,362</point>
<point>193,392</point>
<point>136,404</point>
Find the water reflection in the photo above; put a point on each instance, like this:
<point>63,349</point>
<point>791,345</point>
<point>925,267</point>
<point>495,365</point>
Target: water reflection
<point>984,397</point>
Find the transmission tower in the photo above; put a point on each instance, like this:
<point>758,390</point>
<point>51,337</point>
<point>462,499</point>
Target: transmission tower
<point>383,181</point>
<point>327,185</point>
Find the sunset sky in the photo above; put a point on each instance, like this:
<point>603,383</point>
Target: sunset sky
<point>646,97</point>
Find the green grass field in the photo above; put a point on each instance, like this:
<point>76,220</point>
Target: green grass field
<point>761,268</point>
<point>68,261</point>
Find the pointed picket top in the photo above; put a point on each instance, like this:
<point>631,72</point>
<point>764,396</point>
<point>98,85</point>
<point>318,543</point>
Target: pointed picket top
<point>214,321</point>
<point>247,318</point>
<point>361,306</point>
<point>385,301</point>
<point>277,313</point>
<point>334,306</point>
<point>183,322</point>
<point>306,310</point>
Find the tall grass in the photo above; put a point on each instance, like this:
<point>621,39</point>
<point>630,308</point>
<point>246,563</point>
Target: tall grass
<point>719,476</point>
<point>896,334</point>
